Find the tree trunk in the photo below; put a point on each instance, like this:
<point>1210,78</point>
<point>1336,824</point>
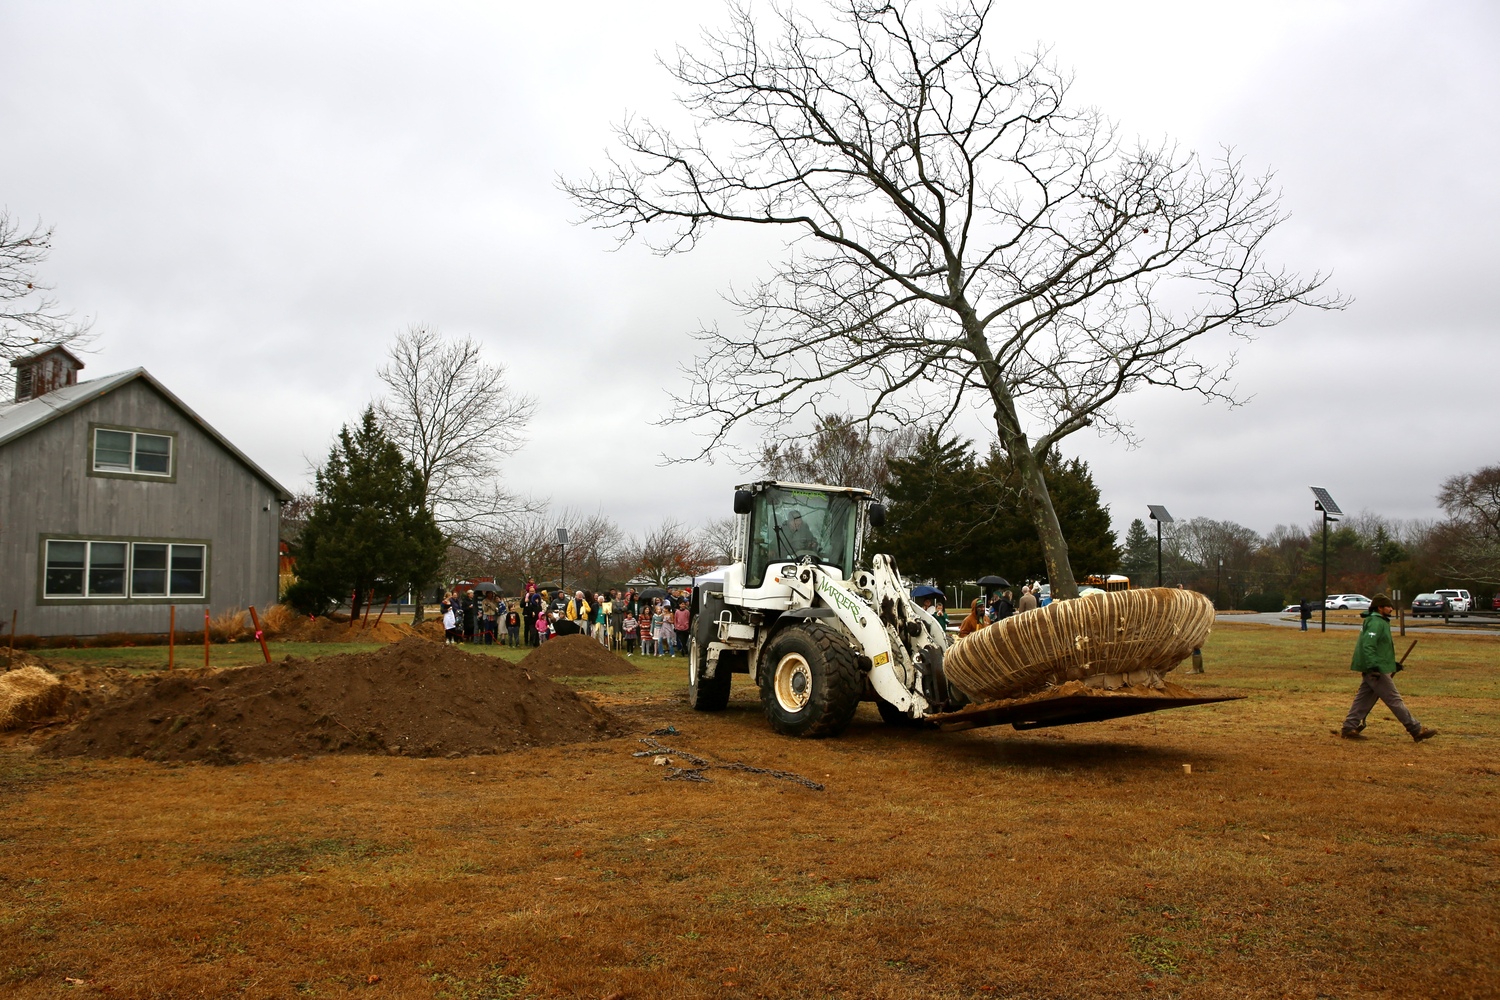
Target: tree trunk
<point>1028,464</point>
<point>418,615</point>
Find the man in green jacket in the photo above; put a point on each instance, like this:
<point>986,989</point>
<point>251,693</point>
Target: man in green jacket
<point>1375,659</point>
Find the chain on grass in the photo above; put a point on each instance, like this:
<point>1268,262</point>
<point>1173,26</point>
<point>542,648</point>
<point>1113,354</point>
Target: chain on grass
<point>701,764</point>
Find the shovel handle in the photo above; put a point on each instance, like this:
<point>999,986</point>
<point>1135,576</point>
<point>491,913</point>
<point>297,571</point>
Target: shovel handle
<point>1402,661</point>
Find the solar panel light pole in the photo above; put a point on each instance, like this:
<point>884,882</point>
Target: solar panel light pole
<point>1331,512</point>
<point>1160,516</point>
<point>562,541</point>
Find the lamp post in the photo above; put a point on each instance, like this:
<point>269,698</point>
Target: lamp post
<point>1160,516</point>
<point>1331,512</point>
<point>562,542</point>
<point>1218,573</point>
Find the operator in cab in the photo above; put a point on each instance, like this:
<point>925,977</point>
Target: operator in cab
<point>797,537</point>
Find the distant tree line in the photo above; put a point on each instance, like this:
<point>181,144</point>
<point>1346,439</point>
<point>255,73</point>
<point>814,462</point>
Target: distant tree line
<point>1367,553</point>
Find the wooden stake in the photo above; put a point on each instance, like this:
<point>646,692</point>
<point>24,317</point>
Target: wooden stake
<point>368,601</point>
<point>171,635</point>
<point>205,637</point>
<point>259,635</point>
<point>382,610</point>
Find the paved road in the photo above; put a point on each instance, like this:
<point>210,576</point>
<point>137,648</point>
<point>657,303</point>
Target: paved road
<point>1275,618</point>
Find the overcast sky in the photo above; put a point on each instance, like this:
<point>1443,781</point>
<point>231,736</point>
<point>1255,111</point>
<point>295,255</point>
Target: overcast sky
<point>251,199</point>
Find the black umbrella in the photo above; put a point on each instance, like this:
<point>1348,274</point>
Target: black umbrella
<point>486,588</point>
<point>917,593</point>
<point>989,583</point>
<point>551,585</point>
<point>652,593</point>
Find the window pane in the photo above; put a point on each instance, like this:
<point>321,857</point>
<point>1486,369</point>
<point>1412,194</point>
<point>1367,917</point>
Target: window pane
<point>187,570</point>
<point>153,454</point>
<point>112,451</point>
<point>148,571</point>
<point>107,569</point>
<point>65,569</point>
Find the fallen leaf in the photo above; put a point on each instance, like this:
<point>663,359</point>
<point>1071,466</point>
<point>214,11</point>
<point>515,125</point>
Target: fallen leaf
<point>73,982</point>
<point>371,979</point>
<point>1266,837</point>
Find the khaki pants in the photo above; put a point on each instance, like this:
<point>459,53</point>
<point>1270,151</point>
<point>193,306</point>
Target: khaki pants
<point>1377,686</point>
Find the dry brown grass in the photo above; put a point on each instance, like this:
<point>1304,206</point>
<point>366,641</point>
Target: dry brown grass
<point>228,625</point>
<point>1078,862</point>
<point>278,619</point>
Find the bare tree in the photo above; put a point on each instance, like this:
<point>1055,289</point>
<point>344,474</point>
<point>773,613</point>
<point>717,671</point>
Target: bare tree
<point>669,551</point>
<point>454,416</point>
<point>29,317</point>
<point>1468,543</point>
<point>959,233</point>
<point>718,538</point>
<point>841,451</point>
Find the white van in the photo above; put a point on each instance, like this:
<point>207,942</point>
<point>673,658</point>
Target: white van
<point>1459,601</point>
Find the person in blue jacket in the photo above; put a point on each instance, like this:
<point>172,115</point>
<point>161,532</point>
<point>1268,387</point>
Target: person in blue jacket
<point>1375,659</point>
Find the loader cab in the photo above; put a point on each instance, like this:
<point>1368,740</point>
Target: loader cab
<point>787,522</point>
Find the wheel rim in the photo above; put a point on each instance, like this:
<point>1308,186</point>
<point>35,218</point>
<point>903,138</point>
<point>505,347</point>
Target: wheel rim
<point>793,682</point>
<point>692,662</point>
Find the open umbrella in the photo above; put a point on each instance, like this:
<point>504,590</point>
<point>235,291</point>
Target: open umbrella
<point>989,583</point>
<point>486,588</point>
<point>917,593</point>
<point>652,593</point>
<point>551,585</point>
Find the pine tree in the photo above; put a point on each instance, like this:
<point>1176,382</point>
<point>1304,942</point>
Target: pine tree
<point>369,533</point>
<point>1139,562</point>
<point>951,519</point>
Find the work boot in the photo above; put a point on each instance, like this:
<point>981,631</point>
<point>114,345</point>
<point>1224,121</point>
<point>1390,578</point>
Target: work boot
<point>1353,734</point>
<point>1423,734</point>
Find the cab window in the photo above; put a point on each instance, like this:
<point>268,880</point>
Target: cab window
<point>787,525</point>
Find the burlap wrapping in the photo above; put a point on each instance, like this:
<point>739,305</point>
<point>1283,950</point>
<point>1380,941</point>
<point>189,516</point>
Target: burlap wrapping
<point>1122,633</point>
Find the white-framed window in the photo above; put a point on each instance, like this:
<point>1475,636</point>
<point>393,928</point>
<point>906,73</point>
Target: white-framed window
<point>136,453</point>
<point>124,570</point>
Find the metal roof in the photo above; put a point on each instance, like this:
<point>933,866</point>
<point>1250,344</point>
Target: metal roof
<point>19,419</point>
<point>820,487</point>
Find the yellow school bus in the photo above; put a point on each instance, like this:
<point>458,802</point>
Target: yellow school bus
<point>1111,582</point>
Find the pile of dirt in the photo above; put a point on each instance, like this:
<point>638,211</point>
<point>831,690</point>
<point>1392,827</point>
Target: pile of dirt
<point>27,693</point>
<point>415,698</point>
<point>575,656</point>
<point>327,630</point>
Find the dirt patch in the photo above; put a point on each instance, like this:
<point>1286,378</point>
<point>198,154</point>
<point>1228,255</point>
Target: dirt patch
<point>328,630</point>
<point>575,656</point>
<point>413,698</point>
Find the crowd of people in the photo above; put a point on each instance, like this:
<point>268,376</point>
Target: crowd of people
<point>651,623</point>
<point>999,606</point>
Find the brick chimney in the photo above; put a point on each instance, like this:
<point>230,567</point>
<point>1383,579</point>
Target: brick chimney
<point>38,374</point>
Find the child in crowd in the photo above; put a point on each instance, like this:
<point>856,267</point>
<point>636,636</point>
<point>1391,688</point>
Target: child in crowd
<point>630,625</point>
<point>543,626</point>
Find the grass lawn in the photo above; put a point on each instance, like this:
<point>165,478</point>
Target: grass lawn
<point>1075,862</point>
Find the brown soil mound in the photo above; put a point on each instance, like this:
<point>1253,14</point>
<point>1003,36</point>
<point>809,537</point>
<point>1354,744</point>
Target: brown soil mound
<point>414,697</point>
<point>575,656</point>
<point>327,630</point>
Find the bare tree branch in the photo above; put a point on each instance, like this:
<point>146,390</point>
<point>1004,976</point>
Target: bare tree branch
<point>454,416</point>
<point>30,318</point>
<point>959,234</point>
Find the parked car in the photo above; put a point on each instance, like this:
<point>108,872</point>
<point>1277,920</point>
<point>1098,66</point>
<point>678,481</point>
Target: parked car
<point>1496,602</point>
<point>1459,601</point>
<point>1429,605</point>
<point>1347,602</point>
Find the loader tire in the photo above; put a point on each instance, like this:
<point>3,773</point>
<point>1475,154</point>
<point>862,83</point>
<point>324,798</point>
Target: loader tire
<point>810,683</point>
<point>706,694</point>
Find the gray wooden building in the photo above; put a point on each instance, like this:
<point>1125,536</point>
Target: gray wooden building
<point>118,501</point>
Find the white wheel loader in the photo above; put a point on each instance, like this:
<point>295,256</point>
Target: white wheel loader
<point>818,631</point>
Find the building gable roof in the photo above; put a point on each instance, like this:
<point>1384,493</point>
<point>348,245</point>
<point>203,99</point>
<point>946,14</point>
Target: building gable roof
<point>20,419</point>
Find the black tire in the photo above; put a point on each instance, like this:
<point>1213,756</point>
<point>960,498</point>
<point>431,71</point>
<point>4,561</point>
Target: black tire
<point>810,683</point>
<point>706,694</point>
